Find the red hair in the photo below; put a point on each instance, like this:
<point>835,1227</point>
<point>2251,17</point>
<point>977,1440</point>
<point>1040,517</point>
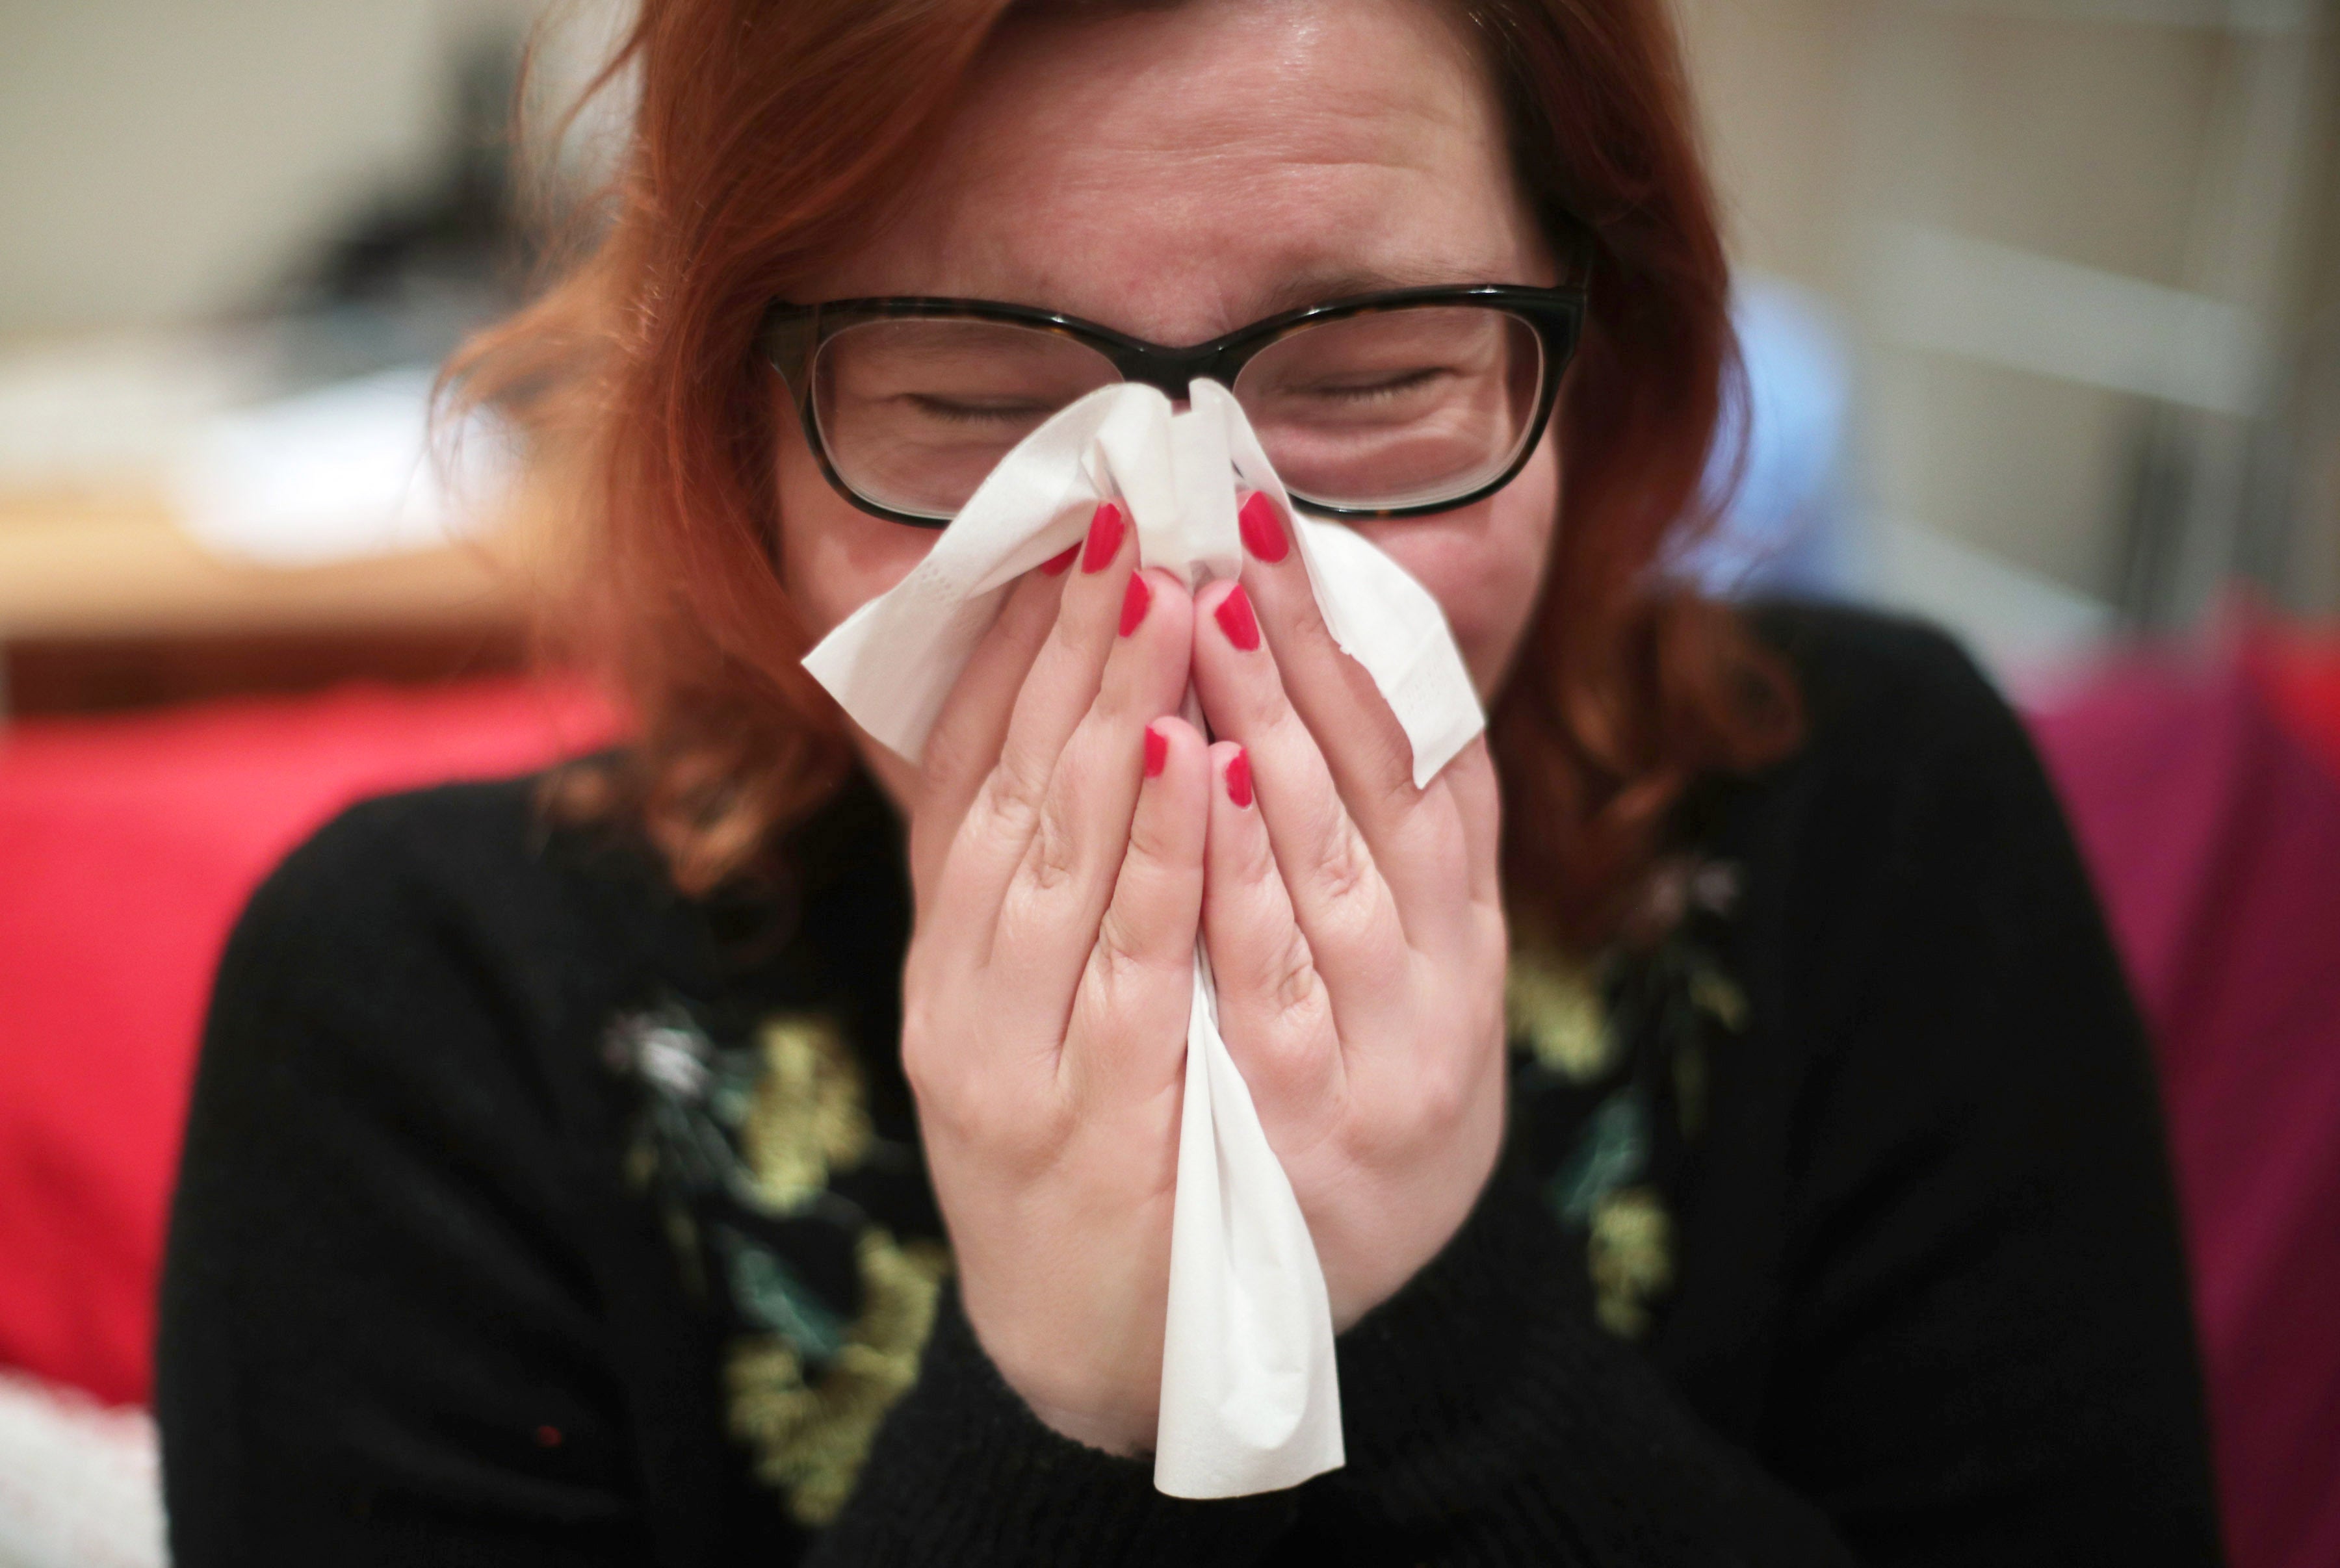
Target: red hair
<point>766,138</point>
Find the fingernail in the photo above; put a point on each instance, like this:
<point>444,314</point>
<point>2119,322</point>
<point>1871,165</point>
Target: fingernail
<point>1235,617</point>
<point>1134,600</point>
<point>1239,773</point>
<point>1055,564</point>
<point>1263,533</point>
<point>1157,752</point>
<point>1105,539</point>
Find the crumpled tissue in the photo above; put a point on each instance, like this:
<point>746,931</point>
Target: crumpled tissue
<point>1250,1399</point>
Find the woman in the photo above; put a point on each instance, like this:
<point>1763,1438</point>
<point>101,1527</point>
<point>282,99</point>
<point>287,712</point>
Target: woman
<point>632,1167</point>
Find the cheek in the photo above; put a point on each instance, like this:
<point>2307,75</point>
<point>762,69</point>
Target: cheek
<point>836,558</point>
<point>1485,565</point>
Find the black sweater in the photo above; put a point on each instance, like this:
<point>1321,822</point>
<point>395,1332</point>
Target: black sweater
<point>533,1214</point>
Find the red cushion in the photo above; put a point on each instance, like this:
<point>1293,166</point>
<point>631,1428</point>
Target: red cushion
<point>127,847</point>
<point>2210,818</point>
<point>2300,673</point>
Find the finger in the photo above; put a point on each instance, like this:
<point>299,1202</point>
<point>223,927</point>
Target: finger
<point>964,745</point>
<point>1344,905</point>
<point>1060,888</point>
<point>1366,748</point>
<point>1478,802</point>
<point>1128,1032</point>
<point>1058,689</point>
<point>1416,834</point>
<point>1419,876</point>
<point>1273,1010</point>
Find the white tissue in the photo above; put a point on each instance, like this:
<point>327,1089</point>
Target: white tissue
<point>1250,1398</point>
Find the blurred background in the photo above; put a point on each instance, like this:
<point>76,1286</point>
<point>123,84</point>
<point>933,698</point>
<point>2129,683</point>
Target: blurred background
<point>2041,304</point>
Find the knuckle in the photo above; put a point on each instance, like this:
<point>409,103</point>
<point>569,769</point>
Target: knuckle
<point>1292,1054</point>
<point>1054,857</point>
<point>1431,843</point>
<point>1440,1092</point>
<point>948,1102</point>
<point>922,1069</point>
<point>1146,852</point>
<point>994,1117</point>
<point>983,1118</point>
<point>927,1061</point>
<point>1389,1129</point>
<point>1281,723</point>
<point>1120,960</point>
<point>993,1112</point>
<point>1345,871</point>
<point>1307,618</point>
<point>1294,989</point>
<point>1422,1121</point>
<point>1026,919</point>
<point>1163,829</point>
<point>1394,763</point>
<point>1009,802</point>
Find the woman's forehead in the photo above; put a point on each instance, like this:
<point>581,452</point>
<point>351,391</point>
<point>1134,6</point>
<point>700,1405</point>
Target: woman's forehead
<point>1178,173</point>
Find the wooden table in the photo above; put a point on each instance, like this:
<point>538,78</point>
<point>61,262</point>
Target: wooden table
<point>105,603</point>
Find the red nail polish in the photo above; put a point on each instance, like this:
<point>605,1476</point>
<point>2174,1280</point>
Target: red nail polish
<point>1105,539</point>
<point>1235,617</point>
<point>1055,564</point>
<point>1239,776</point>
<point>1157,752</point>
<point>1263,534</point>
<point>1134,600</point>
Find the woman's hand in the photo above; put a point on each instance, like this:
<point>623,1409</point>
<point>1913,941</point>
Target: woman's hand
<point>1068,839</point>
<point>1057,849</point>
<point>1356,929</point>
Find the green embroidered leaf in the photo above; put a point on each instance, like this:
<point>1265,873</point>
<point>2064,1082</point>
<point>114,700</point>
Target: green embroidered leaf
<point>769,1296</point>
<point>1612,1151</point>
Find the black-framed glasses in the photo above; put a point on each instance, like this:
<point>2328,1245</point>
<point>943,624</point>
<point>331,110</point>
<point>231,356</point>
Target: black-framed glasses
<point>1388,405</point>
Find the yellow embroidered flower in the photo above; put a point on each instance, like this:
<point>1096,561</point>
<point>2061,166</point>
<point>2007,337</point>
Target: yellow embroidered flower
<point>1718,996</point>
<point>809,1439</point>
<point>1630,1256</point>
<point>807,1117</point>
<point>1556,1006</point>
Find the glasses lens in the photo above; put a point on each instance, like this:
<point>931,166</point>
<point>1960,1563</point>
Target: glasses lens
<point>915,412</point>
<point>1401,407</point>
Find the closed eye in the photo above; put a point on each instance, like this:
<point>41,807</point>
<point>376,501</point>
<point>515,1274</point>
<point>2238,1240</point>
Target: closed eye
<point>1382,386</point>
<point>964,412</point>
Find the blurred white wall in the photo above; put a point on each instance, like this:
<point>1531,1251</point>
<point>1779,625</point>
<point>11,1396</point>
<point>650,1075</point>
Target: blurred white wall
<point>2090,251</point>
<point>164,159</point>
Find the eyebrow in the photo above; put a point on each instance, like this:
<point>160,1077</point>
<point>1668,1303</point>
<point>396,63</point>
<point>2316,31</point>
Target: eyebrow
<point>1324,285</point>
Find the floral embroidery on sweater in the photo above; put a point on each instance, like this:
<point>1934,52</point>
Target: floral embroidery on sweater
<point>734,1143</point>
<point>1618,1048</point>
<point>809,1438</point>
<point>751,1148</point>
